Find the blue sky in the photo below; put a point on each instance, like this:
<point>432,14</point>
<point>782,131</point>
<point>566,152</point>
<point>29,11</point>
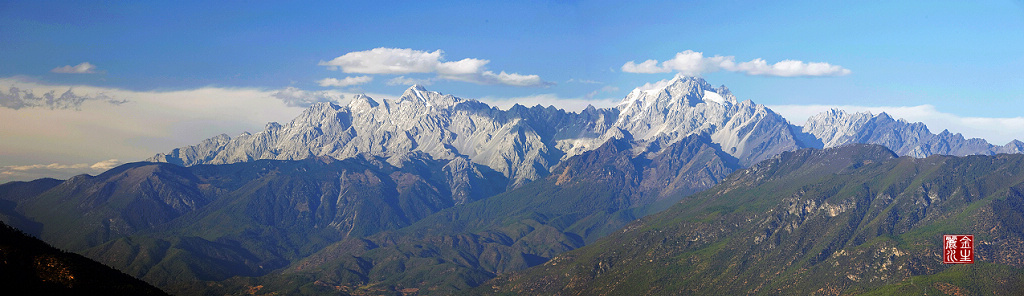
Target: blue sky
<point>951,64</point>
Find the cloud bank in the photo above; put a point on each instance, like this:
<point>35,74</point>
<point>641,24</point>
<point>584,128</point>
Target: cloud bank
<point>344,82</point>
<point>141,124</point>
<point>694,63</point>
<point>83,68</point>
<point>61,171</point>
<point>295,97</point>
<point>17,98</point>
<point>100,166</point>
<point>149,122</point>
<point>397,61</point>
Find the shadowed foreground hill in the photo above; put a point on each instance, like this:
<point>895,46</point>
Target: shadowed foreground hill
<point>28,266</point>
<point>846,220</point>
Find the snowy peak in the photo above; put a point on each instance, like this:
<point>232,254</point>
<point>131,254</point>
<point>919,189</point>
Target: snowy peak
<point>316,113</point>
<point>420,95</point>
<point>686,105</point>
<point>836,116</point>
<point>524,143</point>
<point>836,128</point>
<point>680,90</point>
<point>362,103</point>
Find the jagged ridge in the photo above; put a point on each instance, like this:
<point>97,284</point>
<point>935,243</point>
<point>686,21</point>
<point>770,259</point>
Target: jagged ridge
<point>522,143</point>
<point>836,128</point>
<point>525,143</point>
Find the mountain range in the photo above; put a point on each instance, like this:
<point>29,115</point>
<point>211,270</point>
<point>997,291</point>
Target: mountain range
<point>434,194</point>
<point>525,143</point>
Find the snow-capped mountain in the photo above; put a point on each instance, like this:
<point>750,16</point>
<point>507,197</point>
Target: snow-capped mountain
<point>836,128</point>
<point>685,105</point>
<point>420,122</point>
<point>525,143</point>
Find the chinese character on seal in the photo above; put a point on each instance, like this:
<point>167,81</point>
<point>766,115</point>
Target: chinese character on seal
<point>958,249</point>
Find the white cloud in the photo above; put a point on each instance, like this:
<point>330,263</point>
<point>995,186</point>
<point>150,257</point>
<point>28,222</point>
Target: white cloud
<point>53,170</point>
<point>83,68</point>
<point>52,166</point>
<point>655,85</point>
<point>105,165</point>
<point>694,63</point>
<point>462,67</point>
<point>295,97</point>
<point>512,79</point>
<point>568,104</point>
<point>402,80</point>
<point>997,131</point>
<point>788,68</point>
<point>405,61</point>
<point>99,166</point>
<point>648,66</point>
<point>347,81</point>
<point>386,61</point>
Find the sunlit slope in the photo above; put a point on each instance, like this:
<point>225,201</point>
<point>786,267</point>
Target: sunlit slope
<point>845,220</point>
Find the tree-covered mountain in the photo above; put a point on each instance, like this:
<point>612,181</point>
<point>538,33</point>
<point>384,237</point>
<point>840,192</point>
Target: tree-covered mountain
<point>846,220</point>
<point>173,225</point>
<point>267,222</point>
<point>590,195</point>
<point>29,266</point>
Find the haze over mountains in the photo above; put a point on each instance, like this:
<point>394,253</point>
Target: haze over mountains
<point>432,192</point>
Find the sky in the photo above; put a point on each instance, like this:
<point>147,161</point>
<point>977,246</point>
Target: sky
<point>88,85</point>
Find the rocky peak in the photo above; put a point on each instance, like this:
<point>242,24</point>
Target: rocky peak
<point>836,128</point>
<point>837,115</point>
<point>420,95</point>
<point>316,114</point>
<point>523,143</point>
<point>681,90</point>
<point>362,102</point>
<point>1014,146</point>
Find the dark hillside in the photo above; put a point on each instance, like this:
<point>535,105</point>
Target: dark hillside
<point>29,266</point>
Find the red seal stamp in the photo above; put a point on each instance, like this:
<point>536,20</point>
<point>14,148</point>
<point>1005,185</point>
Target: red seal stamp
<point>958,249</point>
